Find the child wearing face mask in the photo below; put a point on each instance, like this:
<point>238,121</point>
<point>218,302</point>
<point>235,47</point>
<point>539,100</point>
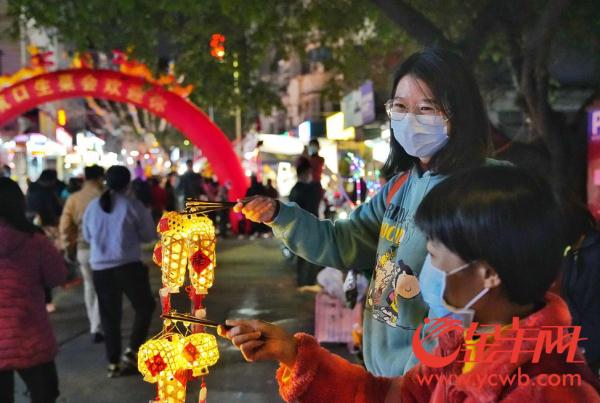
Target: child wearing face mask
<point>494,234</point>
<point>439,127</point>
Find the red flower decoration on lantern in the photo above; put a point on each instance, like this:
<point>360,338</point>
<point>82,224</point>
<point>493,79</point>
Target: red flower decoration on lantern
<point>200,261</point>
<point>163,225</point>
<point>190,352</point>
<point>157,255</point>
<point>156,365</point>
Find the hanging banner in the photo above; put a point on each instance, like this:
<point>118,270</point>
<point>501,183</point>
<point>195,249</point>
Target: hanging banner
<point>593,182</point>
<point>108,84</point>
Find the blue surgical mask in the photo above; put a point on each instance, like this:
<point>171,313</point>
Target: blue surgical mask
<point>420,138</point>
<point>433,285</point>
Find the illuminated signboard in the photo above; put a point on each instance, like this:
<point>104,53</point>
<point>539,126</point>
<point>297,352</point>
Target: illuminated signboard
<point>335,128</point>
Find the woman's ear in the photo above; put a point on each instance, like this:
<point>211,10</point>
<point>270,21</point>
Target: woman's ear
<point>488,275</point>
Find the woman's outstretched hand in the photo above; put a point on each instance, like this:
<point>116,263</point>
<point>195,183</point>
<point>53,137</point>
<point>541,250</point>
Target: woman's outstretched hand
<point>258,209</point>
<point>261,341</point>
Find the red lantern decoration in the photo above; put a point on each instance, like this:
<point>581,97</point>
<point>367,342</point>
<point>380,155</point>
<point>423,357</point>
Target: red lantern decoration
<point>200,261</point>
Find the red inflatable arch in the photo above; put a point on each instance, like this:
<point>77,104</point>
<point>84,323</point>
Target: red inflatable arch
<point>116,86</point>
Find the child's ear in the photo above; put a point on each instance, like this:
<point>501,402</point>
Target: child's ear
<point>490,277</point>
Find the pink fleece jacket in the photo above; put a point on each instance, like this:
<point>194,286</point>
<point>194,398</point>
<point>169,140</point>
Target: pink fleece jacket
<point>319,376</point>
<point>28,262</point>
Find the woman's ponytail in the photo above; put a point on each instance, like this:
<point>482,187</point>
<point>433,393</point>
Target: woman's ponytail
<point>106,201</point>
<point>117,180</point>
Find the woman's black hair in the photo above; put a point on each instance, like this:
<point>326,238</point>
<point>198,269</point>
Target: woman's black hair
<point>12,207</point>
<point>117,179</point>
<point>502,216</point>
<point>454,88</point>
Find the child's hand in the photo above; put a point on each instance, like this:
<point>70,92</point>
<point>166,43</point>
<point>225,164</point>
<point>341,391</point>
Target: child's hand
<point>261,341</point>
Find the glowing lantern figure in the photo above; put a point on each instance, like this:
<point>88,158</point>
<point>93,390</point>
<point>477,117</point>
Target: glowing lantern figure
<point>187,243</point>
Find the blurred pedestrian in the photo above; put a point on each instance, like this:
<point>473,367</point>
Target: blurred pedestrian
<point>116,225</point>
<point>43,195</point>
<point>191,184</point>
<point>223,215</point>
<point>142,191</point>
<point>170,186</point>
<point>159,198</point>
<point>317,163</point>
<point>307,194</point>
<point>73,186</point>
<point>77,249</point>
<point>28,263</point>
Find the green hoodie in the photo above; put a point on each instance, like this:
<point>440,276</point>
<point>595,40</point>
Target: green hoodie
<point>383,241</point>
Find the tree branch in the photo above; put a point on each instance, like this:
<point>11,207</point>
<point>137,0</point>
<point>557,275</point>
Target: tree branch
<point>482,26</point>
<point>534,77</point>
<point>413,22</point>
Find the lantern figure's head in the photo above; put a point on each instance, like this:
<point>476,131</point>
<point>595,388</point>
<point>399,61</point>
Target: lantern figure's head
<point>171,221</point>
<point>198,352</point>
<point>157,358</point>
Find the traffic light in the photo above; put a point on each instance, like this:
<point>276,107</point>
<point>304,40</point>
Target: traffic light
<point>217,46</point>
<point>61,117</point>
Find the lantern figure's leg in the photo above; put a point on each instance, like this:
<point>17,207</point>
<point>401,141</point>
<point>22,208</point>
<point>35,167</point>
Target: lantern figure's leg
<point>197,308</point>
<point>165,300</point>
<point>203,392</point>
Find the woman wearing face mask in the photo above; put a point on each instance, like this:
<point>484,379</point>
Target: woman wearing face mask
<point>493,233</point>
<point>439,127</point>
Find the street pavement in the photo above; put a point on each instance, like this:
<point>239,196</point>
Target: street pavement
<point>253,280</point>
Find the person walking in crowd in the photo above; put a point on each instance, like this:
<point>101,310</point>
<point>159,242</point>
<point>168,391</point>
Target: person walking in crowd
<point>73,186</point>
<point>43,195</point>
<point>223,215</point>
<point>28,264</point>
<point>495,235</point>
<point>159,198</point>
<point>317,163</point>
<point>307,195</point>
<point>170,186</point>
<point>77,248</point>
<point>439,127</point>
<point>191,184</point>
<point>116,225</point>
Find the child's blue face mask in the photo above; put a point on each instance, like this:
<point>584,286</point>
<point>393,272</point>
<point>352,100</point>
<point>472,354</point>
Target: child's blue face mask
<point>433,285</point>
